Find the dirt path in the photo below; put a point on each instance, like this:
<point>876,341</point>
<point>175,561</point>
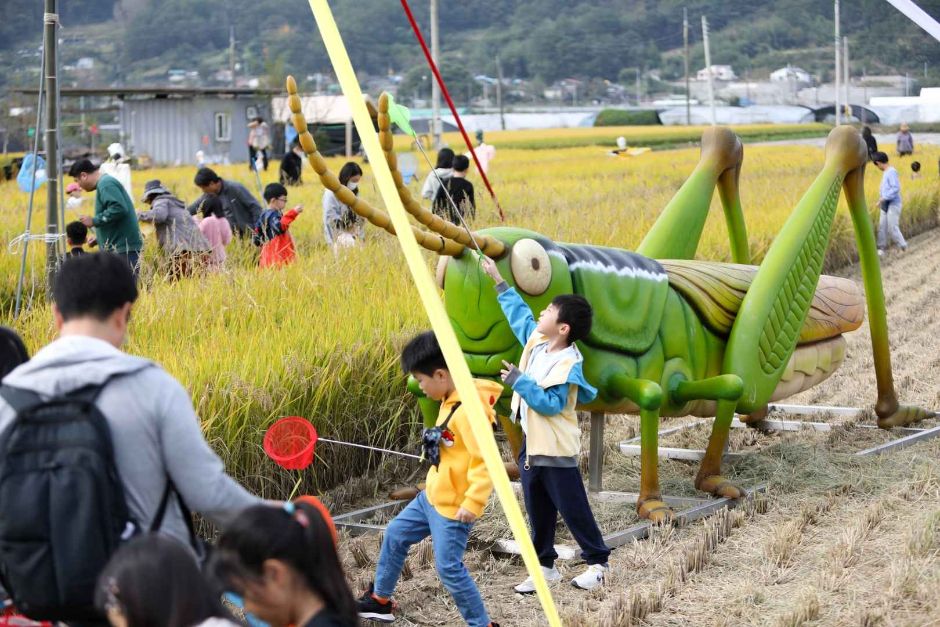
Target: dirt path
<point>838,540</point>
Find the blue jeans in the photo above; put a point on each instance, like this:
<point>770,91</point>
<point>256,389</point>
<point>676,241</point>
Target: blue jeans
<point>415,523</point>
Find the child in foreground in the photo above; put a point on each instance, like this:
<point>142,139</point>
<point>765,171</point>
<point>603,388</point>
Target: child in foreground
<point>155,580</point>
<point>282,564</point>
<point>272,229</point>
<point>76,234</point>
<point>457,491</point>
<point>547,385</point>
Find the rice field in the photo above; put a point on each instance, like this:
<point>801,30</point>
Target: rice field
<point>320,339</point>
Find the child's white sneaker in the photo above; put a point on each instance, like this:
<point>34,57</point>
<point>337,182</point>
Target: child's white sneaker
<point>528,586</point>
<point>590,578</point>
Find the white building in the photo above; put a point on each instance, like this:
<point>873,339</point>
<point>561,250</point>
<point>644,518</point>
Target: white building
<point>922,108</point>
<point>720,72</point>
<point>790,73</point>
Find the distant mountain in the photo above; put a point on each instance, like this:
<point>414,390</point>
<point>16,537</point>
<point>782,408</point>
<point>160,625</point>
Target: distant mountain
<point>138,41</point>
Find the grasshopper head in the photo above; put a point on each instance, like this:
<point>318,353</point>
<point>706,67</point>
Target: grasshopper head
<point>531,265</point>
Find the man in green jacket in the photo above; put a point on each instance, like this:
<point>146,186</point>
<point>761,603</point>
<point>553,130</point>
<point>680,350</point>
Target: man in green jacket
<point>115,220</point>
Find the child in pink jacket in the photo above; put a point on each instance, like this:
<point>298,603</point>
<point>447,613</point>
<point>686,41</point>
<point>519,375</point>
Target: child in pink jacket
<point>216,229</point>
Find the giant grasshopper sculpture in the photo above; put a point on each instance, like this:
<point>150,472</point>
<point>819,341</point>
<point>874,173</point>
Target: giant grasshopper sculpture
<point>673,336</point>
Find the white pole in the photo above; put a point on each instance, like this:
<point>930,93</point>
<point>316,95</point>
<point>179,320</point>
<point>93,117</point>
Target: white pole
<point>435,89</point>
<point>847,75</point>
<point>708,68</point>
<point>637,70</point>
<point>838,46</point>
<point>685,44</point>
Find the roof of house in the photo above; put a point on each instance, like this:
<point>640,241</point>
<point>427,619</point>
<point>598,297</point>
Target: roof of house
<point>156,92</point>
<point>330,109</point>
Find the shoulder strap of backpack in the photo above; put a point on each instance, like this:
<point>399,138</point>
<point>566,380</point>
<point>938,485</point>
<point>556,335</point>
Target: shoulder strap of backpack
<point>19,399</point>
<point>451,414</point>
<point>88,393</point>
<point>184,509</point>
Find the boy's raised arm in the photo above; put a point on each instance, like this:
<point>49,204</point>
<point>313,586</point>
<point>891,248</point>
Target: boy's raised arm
<point>520,317</point>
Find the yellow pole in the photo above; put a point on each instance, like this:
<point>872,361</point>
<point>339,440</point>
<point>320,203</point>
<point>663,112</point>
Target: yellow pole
<point>432,302</point>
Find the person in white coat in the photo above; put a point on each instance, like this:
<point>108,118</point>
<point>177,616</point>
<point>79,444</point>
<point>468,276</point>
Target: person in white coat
<point>117,167</point>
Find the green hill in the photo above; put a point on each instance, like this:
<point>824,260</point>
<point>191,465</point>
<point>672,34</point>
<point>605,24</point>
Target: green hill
<point>535,39</point>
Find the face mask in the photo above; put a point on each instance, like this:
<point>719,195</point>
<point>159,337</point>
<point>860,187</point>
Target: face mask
<point>352,185</point>
<point>237,601</point>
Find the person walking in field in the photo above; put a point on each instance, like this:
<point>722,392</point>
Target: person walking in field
<point>343,227</point>
<point>291,169</point>
<point>870,141</point>
<point>241,208</point>
<point>454,198</point>
<point>484,152</point>
<point>547,385</point>
<point>179,237</point>
<point>905,142</point>
<point>272,230</point>
<point>458,487</point>
<point>216,229</point>
<point>443,170</point>
<point>115,220</point>
<point>890,205</point>
<point>259,140</point>
<point>120,434</point>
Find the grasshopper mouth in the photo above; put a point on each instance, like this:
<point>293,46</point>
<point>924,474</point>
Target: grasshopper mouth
<point>489,364</point>
<point>485,354</point>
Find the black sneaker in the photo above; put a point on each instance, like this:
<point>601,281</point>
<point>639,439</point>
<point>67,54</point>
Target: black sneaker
<point>371,608</point>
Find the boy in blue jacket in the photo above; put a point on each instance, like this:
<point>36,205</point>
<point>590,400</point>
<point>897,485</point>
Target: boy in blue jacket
<point>547,385</point>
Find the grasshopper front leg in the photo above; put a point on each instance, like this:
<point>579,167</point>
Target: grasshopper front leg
<point>648,395</point>
<point>726,389</point>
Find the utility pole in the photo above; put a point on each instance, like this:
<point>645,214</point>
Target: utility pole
<point>845,77</point>
<point>51,23</point>
<point>637,86</point>
<point>231,53</point>
<point>499,93</point>
<point>685,43</point>
<point>708,68</point>
<point>435,89</point>
<point>838,45</point>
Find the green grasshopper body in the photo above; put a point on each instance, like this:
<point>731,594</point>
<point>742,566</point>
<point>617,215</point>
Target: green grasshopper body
<point>644,326</point>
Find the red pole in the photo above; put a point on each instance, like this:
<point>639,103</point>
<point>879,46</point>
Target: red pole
<point>450,103</point>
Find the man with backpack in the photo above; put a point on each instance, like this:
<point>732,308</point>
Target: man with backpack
<point>95,446</point>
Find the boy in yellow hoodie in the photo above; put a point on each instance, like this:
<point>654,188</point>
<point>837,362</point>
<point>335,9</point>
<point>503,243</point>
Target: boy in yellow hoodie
<point>547,385</point>
<point>457,491</point>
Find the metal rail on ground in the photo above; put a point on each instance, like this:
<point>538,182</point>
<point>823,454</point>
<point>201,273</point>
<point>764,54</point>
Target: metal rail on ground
<point>689,509</point>
<point>912,435</point>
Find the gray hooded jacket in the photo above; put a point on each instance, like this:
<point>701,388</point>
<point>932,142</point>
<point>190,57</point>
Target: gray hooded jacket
<point>176,230</point>
<point>154,428</point>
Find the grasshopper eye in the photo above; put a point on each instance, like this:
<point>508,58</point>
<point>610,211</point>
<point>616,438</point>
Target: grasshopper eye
<point>531,267</point>
<point>441,270</point>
